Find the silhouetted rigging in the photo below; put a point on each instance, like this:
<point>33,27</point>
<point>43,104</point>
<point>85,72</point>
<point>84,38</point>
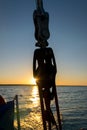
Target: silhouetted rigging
<point>44,68</point>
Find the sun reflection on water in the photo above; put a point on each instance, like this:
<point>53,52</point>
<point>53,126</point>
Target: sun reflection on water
<point>35,91</point>
<point>30,112</point>
<point>35,97</point>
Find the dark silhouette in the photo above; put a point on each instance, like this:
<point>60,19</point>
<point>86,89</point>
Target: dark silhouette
<point>51,68</point>
<point>41,22</point>
<point>2,101</point>
<point>44,66</point>
<point>44,70</point>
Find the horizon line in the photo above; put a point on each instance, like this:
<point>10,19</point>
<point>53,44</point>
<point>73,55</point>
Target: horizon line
<point>36,85</point>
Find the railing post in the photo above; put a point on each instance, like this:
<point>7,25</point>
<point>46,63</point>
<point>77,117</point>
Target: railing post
<point>18,115</point>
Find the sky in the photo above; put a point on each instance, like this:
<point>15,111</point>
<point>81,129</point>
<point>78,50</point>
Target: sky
<point>68,39</point>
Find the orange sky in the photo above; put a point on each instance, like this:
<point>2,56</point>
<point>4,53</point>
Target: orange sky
<point>28,79</point>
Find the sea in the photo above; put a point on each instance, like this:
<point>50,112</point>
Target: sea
<point>72,104</point>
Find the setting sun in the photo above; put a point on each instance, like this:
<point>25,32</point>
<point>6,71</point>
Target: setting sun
<point>33,81</point>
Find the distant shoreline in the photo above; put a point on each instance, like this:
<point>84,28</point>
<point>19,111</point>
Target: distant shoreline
<point>36,85</point>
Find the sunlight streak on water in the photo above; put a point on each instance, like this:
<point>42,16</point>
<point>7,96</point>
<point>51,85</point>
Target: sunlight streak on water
<point>30,110</point>
<point>35,97</point>
<point>72,102</point>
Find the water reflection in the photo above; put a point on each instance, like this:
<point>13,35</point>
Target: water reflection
<point>30,112</point>
<point>35,96</point>
<point>35,91</point>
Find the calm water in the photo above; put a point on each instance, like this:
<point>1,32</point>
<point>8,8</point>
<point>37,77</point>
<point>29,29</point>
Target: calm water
<point>72,102</point>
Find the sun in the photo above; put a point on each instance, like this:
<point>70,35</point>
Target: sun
<point>33,81</point>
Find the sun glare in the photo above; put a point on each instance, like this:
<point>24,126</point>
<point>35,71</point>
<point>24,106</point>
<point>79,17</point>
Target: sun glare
<point>33,81</point>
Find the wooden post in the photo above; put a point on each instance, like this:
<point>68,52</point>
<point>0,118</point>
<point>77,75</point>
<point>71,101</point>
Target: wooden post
<point>18,115</point>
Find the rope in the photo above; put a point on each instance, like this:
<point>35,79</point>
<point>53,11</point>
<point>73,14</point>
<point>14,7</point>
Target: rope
<point>39,5</point>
